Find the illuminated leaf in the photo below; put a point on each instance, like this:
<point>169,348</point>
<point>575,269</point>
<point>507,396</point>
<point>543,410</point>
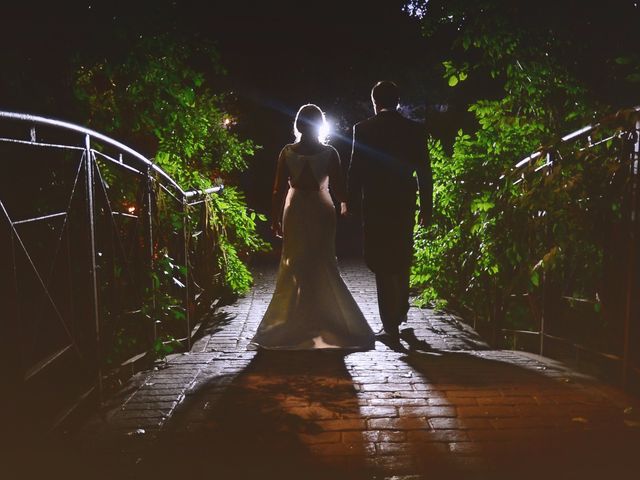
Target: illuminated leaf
<point>535,278</point>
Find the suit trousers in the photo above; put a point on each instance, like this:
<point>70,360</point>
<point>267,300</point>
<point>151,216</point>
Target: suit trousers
<point>393,298</point>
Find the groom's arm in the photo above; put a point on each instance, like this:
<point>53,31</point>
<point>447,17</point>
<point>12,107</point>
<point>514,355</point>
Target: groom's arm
<point>425,178</point>
<point>337,183</point>
<point>355,174</point>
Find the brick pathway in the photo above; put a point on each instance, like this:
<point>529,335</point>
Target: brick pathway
<point>459,411</point>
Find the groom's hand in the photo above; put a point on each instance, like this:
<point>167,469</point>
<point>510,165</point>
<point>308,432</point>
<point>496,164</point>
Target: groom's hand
<point>344,210</point>
<point>276,228</point>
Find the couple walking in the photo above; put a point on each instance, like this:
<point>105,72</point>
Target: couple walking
<point>311,306</point>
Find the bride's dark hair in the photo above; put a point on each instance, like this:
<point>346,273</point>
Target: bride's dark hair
<point>310,120</point>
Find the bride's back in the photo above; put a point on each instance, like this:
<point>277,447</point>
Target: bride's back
<point>309,171</point>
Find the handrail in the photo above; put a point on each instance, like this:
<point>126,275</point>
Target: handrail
<point>26,117</point>
<point>98,209</point>
<point>207,191</point>
<point>571,136</point>
<point>629,133</point>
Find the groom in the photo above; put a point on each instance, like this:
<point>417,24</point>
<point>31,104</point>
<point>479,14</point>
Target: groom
<point>387,150</point>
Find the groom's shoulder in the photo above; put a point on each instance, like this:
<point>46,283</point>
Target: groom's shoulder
<point>364,123</point>
<point>410,122</point>
<point>416,127</point>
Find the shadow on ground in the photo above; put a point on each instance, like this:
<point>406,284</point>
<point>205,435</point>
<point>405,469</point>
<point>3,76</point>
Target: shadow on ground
<point>326,415</point>
<point>524,423</point>
<point>262,422</point>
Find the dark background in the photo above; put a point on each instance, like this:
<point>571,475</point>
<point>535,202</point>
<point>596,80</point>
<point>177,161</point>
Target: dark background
<point>282,54</point>
<point>278,56</point>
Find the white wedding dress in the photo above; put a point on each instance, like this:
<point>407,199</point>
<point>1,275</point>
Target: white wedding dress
<point>311,307</point>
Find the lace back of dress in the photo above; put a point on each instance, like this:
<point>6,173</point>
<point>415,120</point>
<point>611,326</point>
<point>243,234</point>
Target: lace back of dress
<point>308,172</point>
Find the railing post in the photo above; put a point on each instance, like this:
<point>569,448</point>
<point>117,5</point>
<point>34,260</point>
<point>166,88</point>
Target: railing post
<point>544,280</point>
<point>12,313</point>
<point>543,311</point>
<point>185,236</point>
<point>497,310</point>
<point>154,329</point>
<point>631,301</point>
<point>90,192</point>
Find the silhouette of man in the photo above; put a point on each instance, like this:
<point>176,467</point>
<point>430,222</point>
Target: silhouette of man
<point>388,150</point>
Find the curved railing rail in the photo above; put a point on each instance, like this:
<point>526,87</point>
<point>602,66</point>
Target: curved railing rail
<point>92,134</point>
<point>624,128</point>
<point>584,132</point>
<point>96,244</point>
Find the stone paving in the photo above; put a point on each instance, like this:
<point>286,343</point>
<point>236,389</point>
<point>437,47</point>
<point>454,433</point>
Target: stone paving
<point>459,410</point>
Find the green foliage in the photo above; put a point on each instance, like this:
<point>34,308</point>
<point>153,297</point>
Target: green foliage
<point>493,237</point>
<point>631,67</point>
<point>157,99</point>
<point>154,97</point>
<point>162,306</point>
<point>228,209</point>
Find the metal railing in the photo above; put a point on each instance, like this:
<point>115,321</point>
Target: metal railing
<point>96,242</point>
<point>623,128</point>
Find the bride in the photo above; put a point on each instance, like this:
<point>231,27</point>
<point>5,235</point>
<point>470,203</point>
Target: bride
<point>311,307</point>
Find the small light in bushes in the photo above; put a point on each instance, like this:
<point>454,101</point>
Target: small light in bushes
<point>131,209</point>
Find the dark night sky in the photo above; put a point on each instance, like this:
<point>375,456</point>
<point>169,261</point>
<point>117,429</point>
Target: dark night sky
<point>278,54</point>
<point>329,54</point>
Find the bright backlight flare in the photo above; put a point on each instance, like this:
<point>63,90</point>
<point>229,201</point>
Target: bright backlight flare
<point>324,132</point>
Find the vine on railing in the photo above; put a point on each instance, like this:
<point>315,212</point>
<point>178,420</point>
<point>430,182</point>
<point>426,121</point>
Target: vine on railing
<point>549,249</point>
<point>109,260</point>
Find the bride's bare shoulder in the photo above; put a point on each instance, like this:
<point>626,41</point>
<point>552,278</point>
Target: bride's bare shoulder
<point>288,147</point>
<point>305,151</point>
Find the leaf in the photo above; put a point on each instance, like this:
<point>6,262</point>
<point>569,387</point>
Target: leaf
<point>535,278</point>
<point>481,205</point>
<point>453,81</point>
<point>633,77</point>
<point>623,60</point>
<point>549,258</point>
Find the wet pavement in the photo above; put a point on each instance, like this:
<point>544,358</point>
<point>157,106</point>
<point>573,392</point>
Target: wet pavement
<point>454,409</point>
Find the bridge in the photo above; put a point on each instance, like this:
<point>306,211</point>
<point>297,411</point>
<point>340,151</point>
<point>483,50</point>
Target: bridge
<point>453,404</point>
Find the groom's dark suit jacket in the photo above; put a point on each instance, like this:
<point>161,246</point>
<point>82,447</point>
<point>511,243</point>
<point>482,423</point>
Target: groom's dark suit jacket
<point>387,149</point>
